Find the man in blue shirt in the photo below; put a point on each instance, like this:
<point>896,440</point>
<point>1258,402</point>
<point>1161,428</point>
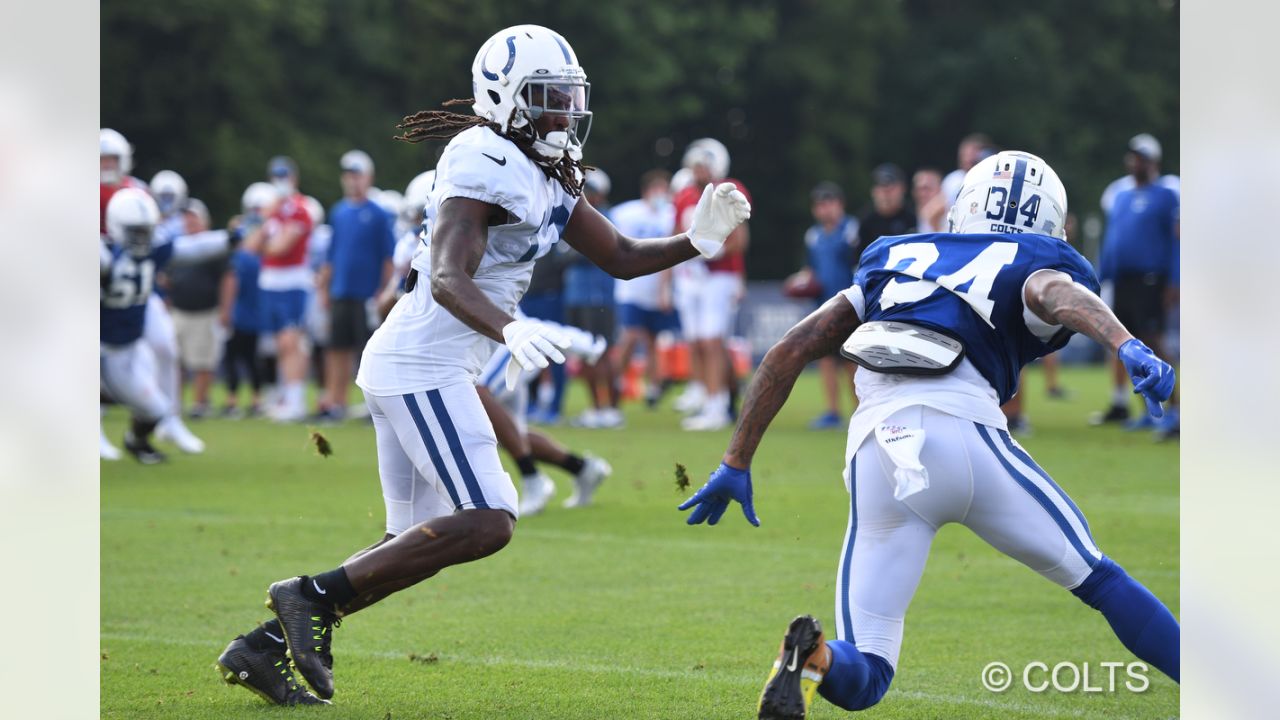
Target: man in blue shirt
<point>1139,266</point>
<point>358,264</point>
<point>832,249</point>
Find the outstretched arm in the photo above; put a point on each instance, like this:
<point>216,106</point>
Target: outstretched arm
<point>818,335</point>
<point>1058,300</point>
<point>721,209</point>
<point>591,234</point>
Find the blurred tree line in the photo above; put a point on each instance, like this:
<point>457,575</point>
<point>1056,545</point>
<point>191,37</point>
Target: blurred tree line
<point>799,90</point>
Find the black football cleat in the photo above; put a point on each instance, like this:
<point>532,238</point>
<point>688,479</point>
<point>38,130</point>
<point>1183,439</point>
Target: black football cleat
<point>308,631</point>
<point>142,450</point>
<point>1114,414</point>
<point>802,662</point>
<point>266,672</point>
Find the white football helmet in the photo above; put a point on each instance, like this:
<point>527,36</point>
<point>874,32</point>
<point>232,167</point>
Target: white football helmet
<point>389,200</point>
<point>1010,192</point>
<point>525,72</point>
<point>132,217</point>
<point>682,179</point>
<point>112,143</point>
<point>417,195</point>
<point>598,181</point>
<point>258,198</point>
<point>169,190</point>
<point>709,152</point>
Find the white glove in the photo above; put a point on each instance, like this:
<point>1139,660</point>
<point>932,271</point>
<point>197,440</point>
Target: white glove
<point>722,208</point>
<point>532,344</point>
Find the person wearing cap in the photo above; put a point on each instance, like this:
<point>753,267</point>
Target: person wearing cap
<point>194,290</point>
<point>362,242</point>
<point>889,214</point>
<point>1150,148</point>
<point>589,305</point>
<point>832,248</point>
<point>285,280</point>
<point>1139,269</point>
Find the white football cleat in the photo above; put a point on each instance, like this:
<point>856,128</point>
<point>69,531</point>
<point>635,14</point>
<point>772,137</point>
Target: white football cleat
<point>594,471</point>
<point>691,400</point>
<point>610,418</point>
<point>106,450</point>
<point>171,429</point>
<point>707,420</point>
<point>537,492</point>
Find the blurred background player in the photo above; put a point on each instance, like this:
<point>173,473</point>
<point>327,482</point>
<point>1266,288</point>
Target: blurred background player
<point>973,148</point>
<point>195,302</point>
<point>832,248</point>
<point>130,256</point>
<point>545,301</point>
<point>358,263</point>
<point>644,303</point>
<point>930,202</point>
<point>240,290</point>
<point>285,280</point>
<point>589,305</point>
<point>116,162</point>
<point>1140,269</point>
<point>707,293</point>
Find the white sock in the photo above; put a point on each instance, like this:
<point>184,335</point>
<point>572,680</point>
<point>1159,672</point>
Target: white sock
<point>295,396</point>
<point>1120,397</point>
<point>718,403</point>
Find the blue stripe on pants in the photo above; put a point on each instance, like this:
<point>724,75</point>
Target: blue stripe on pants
<point>455,446</point>
<point>1026,460</point>
<point>496,372</point>
<point>432,450</point>
<point>1039,496</point>
<point>848,549</point>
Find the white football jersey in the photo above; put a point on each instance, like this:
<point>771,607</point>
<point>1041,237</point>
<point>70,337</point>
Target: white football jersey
<point>422,346</point>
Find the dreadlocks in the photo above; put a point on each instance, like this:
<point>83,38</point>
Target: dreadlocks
<point>442,125</point>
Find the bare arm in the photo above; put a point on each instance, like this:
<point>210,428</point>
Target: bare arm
<point>817,335</point>
<point>591,234</point>
<point>458,240</point>
<point>1057,299</point>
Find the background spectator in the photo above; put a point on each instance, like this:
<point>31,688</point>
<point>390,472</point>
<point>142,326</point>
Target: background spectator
<point>1139,270</point>
<point>832,249</point>
<point>644,303</point>
<point>888,214</point>
<point>545,301</point>
<point>973,148</point>
<point>240,293</point>
<point>358,263</point>
<point>194,296</point>
<point>931,204</point>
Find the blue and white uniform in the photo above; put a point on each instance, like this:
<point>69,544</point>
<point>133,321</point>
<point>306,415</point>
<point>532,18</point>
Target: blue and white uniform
<point>127,366</point>
<point>637,299</point>
<point>420,367</point>
<point>926,451</point>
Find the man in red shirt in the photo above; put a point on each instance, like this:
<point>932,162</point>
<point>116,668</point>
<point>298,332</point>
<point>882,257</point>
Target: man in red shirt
<point>707,292</point>
<point>285,281</point>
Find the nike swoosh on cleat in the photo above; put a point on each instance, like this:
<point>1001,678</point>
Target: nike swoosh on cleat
<point>317,587</point>
<point>503,161</point>
<point>795,658</point>
<point>273,637</point>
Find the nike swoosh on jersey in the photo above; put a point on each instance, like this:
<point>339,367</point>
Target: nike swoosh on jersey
<point>503,161</point>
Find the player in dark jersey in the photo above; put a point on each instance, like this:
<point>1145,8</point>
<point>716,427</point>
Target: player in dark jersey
<point>941,324</point>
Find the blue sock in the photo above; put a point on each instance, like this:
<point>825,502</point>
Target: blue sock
<point>1141,622</point>
<point>856,680</point>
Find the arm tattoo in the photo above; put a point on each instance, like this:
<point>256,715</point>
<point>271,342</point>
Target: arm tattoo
<point>1074,307</point>
<point>817,335</point>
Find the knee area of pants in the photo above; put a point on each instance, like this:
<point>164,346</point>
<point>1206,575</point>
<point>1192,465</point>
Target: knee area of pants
<point>1104,577</point>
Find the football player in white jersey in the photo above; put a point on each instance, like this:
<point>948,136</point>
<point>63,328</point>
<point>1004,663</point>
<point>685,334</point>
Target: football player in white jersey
<point>507,189</point>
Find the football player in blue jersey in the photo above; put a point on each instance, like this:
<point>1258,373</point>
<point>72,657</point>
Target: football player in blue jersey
<point>129,257</point>
<point>940,325</point>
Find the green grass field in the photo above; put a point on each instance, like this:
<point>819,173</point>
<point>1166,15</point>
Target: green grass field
<point>619,610</point>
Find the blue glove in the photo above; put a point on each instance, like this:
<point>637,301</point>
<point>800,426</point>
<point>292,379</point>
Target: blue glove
<point>1152,377</point>
<point>726,483</point>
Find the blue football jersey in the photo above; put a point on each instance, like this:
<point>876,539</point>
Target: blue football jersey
<point>969,287</point>
<point>125,289</point>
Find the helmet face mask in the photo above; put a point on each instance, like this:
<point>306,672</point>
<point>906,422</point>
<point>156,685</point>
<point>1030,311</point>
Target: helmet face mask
<point>137,239</point>
<point>527,76</point>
